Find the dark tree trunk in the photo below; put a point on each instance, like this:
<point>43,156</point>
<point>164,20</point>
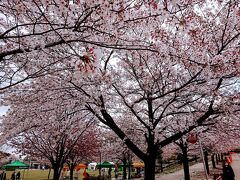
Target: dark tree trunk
<point>196,158</point>
<point>221,156</point>
<point>213,161</point>
<point>124,168</point>
<point>185,162</point>
<point>159,161</point>
<point>49,172</point>
<point>161,166</point>
<point>100,170</point>
<point>149,168</point>
<point>150,160</point>
<point>206,161</point>
<point>215,156</point>
<point>129,170</point>
<point>150,138</point>
<point>129,166</point>
<point>218,156</point>
<point>71,175</point>
<point>71,168</point>
<point>56,173</point>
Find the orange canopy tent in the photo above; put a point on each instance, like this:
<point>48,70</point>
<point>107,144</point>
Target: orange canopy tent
<point>138,164</point>
<point>80,166</point>
<point>77,168</point>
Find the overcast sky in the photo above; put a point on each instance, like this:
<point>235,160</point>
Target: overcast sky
<point>3,110</point>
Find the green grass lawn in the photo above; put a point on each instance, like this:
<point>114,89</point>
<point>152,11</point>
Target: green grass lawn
<point>36,174</point>
<point>32,174</point>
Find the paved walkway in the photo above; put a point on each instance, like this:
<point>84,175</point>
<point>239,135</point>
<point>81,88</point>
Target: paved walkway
<point>179,175</point>
<point>236,165</point>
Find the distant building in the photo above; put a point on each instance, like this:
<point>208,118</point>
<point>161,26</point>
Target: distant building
<point>33,163</point>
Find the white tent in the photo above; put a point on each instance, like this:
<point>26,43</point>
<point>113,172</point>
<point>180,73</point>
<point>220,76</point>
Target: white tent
<point>92,165</point>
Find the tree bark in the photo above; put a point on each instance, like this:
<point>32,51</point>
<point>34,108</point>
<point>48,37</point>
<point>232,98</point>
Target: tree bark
<point>151,145</point>
<point>124,168</point>
<point>219,159</point>
<point>213,161</point>
<point>49,172</point>
<point>159,161</point>
<point>149,168</point>
<point>206,161</point>
<point>185,162</point>
<point>129,166</point>
<point>150,160</point>
<point>161,166</point>
<point>56,173</point>
<point>71,168</point>
<point>129,170</point>
<point>222,156</point>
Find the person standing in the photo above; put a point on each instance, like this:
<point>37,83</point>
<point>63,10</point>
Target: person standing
<point>228,173</point>
<point>109,172</point>
<point>13,176</point>
<point>116,171</point>
<point>18,175</point>
<point>3,175</point>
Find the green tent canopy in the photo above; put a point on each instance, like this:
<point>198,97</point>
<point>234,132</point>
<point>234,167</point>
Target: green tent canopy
<point>104,165</point>
<point>15,165</point>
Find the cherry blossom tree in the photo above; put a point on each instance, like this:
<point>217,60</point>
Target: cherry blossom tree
<point>186,85</point>
<point>49,129</point>
<point>188,145</point>
<point>219,137</point>
<point>42,143</point>
<point>115,150</point>
<point>37,34</point>
<point>4,158</point>
<point>186,78</point>
<point>84,150</point>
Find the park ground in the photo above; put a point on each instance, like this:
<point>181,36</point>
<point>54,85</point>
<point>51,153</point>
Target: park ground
<point>196,172</point>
